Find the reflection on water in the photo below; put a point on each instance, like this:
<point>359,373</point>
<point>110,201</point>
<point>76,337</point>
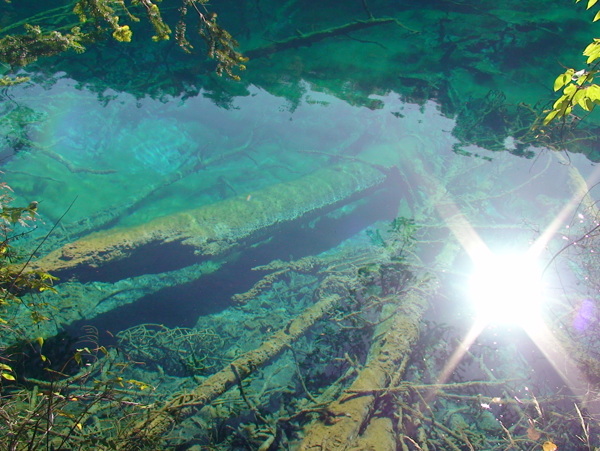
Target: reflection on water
<point>315,251</point>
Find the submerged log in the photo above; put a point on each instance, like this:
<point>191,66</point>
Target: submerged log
<point>214,386</point>
<point>305,40</point>
<point>213,229</point>
<point>351,413</point>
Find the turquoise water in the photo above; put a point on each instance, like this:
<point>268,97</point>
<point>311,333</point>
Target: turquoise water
<point>360,245</point>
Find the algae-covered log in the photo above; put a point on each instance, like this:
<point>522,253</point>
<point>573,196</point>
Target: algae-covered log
<point>352,412</point>
<point>217,384</point>
<point>213,229</point>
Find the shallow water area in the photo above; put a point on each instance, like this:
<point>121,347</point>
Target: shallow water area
<point>295,260</point>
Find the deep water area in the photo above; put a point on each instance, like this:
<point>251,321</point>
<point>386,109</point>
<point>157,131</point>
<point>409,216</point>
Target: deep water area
<point>368,241</point>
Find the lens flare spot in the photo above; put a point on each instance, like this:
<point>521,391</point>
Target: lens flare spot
<point>506,288</point>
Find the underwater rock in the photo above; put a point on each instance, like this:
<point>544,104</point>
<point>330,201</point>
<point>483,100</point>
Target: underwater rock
<point>213,229</point>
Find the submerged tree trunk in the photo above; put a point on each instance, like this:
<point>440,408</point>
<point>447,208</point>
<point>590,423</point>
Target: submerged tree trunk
<point>349,423</point>
<point>214,229</point>
<point>186,404</point>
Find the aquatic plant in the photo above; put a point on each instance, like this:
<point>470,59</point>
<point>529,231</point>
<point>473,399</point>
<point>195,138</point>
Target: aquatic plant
<point>180,351</point>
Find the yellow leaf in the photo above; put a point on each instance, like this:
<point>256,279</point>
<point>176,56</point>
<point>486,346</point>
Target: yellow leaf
<point>549,446</point>
<point>591,3</point>
<point>122,34</point>
<point>596,17</point>
<point>569,91</point>
<point>5,367</point>
<point>79,426</point>
<point>593,56</point>
<point>586,104</point>
<point>8,376</point>
<point>40,341</point>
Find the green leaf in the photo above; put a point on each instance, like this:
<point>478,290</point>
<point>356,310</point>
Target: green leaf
<point>550,117</point>
<point>592,51</point>
<point>563,79</point>
<point>582,99</point>
<point>569,91</point>
<point>593,92</point>
<point>560,102</point>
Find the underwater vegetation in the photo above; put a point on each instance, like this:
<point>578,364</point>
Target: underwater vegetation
<point>280,257</point>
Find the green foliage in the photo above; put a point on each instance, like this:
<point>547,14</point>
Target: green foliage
<point>7,81</point>
<point>20,50</point>
<point>17,284</point>
<point>99,19</point>
<point>221,47</point>
<point>59,411</point>
<point>75,412</point>
<point>15,280</point>
<point>400,234</point>
<point>577,87</point>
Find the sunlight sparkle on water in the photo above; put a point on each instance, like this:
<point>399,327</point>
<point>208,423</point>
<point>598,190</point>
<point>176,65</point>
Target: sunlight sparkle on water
<point>506,288</point>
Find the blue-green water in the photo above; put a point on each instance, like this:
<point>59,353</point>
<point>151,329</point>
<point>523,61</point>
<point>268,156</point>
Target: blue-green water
<point>366,174</point>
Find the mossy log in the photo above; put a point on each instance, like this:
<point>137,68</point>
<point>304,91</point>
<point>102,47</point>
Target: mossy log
<point>186,404</point>
<point>351,413</point>
<point>213,229</point>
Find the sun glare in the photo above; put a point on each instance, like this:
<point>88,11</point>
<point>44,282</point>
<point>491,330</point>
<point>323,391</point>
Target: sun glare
<point>506,289</point>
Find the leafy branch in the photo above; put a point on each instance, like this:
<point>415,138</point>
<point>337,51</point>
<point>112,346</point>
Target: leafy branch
<point>577,87</point>
<point>101,19</point>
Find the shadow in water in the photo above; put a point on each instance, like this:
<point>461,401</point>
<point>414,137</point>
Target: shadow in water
<point>180,306</point>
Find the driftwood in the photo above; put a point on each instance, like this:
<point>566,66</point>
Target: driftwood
<point>305,40</point>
